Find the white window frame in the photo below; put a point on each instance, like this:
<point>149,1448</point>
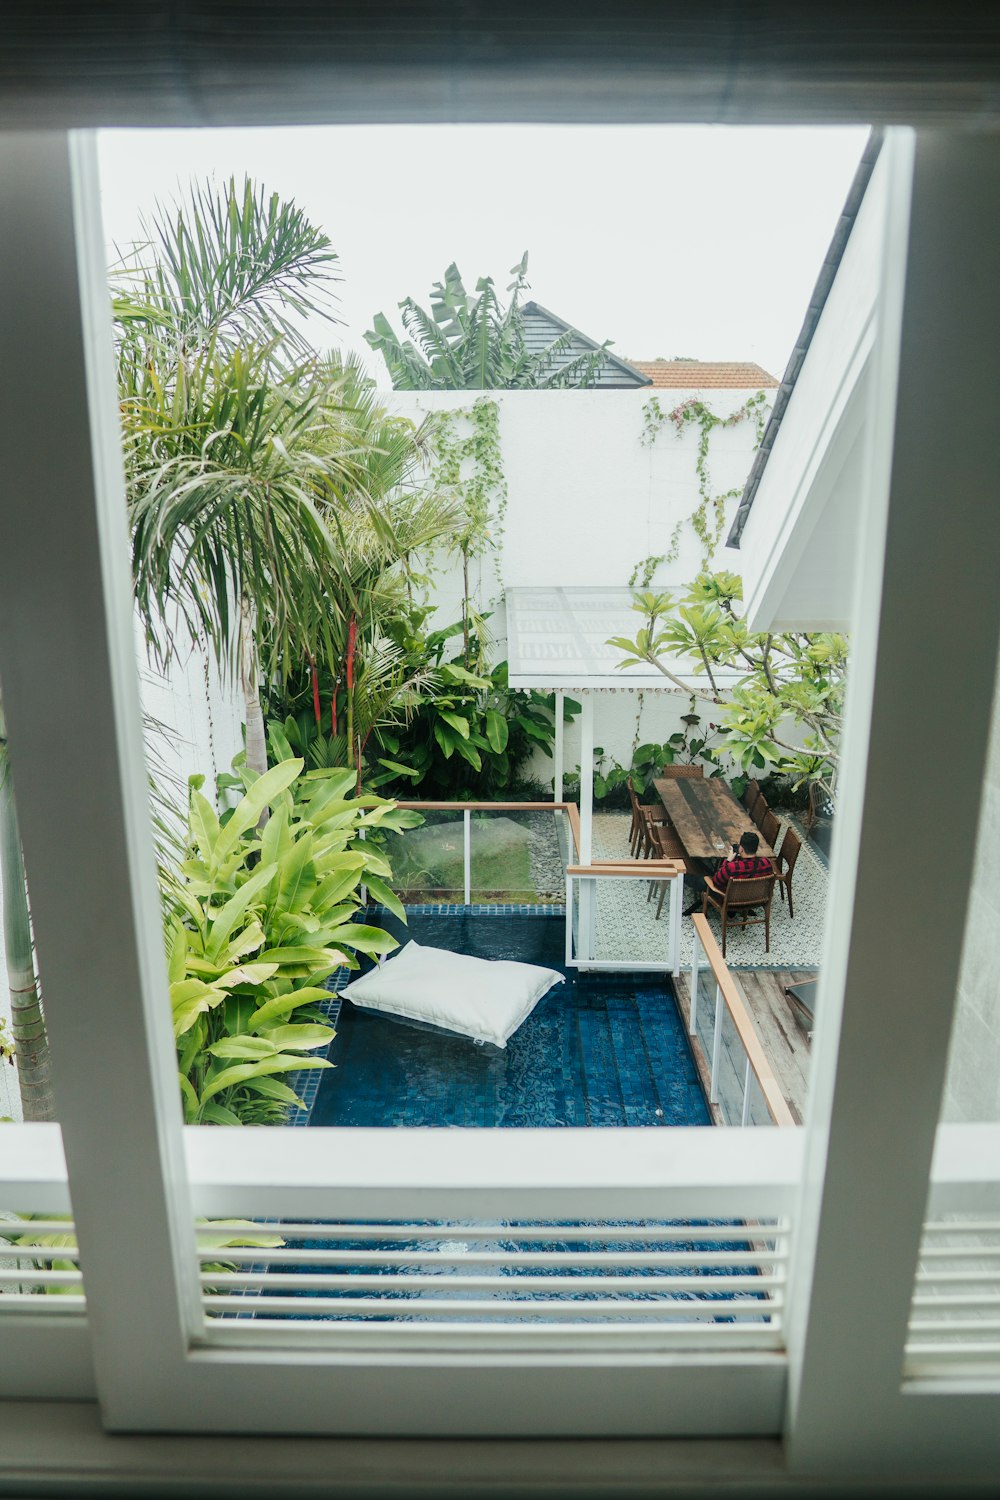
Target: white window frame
<point>65,622</point>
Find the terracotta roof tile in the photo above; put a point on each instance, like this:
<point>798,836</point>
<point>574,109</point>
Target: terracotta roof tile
<point>695,374</point>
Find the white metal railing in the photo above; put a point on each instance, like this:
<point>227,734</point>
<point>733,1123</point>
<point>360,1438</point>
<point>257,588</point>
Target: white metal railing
<point>582,937</point>
<point>585,941</point>
<point>742,1085</point>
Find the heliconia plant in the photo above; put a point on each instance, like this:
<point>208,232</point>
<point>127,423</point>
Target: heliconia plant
<point>258,921</point>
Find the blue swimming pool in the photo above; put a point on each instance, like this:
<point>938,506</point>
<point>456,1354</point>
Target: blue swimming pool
<point>601,1050</point>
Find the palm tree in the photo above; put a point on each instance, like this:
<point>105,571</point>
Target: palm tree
<point>226,414</point>
<point>474,343</point>
<point>31,1046</point>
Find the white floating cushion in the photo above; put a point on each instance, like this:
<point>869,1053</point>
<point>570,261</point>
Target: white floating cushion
<point>486,999</point>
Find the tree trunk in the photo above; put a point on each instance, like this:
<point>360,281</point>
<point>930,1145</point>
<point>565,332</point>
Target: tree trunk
<point>465,610</point>
<point>250,682</point>
<point>31,1043</point>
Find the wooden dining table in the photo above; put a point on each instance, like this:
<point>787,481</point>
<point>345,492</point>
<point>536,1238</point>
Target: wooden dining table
<point>706,816</point>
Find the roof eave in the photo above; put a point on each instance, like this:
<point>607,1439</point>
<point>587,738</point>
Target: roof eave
<point>817,302</point>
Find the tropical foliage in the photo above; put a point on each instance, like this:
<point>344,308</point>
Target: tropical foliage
<point>382,519</point>
<point>472,342</point>
<point>16,1230</point>
<point>471,741</point>
<point>458,733</point>
<point>231,432</point>
<point>258,921</point>
<point>783,712</point>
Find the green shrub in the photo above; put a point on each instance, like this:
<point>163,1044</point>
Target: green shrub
<point>260,917</point>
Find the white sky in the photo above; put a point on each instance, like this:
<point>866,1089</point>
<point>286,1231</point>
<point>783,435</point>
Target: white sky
<point>702,241</point>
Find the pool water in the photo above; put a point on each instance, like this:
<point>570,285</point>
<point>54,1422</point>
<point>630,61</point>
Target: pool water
<point>600,1050</point>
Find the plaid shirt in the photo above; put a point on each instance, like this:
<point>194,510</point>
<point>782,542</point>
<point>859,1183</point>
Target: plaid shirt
<point>742,867</point>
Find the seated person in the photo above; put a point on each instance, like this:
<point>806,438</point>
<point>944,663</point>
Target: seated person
<point>743,864</point>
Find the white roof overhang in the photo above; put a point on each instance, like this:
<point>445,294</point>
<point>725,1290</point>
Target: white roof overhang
<point>798,551</point>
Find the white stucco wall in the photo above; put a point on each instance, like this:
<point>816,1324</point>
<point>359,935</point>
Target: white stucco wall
<point>202,715</point>
<point>586,502</point>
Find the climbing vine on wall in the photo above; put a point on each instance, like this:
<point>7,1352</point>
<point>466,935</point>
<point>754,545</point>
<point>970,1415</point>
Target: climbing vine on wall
<point>469,463</point>
<point>708,518</point>
<point>469,466</point>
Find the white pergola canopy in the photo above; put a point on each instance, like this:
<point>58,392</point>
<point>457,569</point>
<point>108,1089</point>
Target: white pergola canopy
<point>558,638</point>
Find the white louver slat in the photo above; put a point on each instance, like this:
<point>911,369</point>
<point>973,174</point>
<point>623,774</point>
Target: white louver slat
<point>34,1277</point>
<point>659,1285</point>
<point>955,1313</point>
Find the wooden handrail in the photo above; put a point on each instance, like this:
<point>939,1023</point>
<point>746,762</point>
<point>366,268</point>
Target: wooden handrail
<point>483,806</point>
<point>638,869</point>
<point>777,1106</point>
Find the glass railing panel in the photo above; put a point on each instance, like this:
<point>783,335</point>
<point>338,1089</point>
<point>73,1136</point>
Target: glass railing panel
<point>428,862</point>
<point>517,857</point>
<point>740,1082</point>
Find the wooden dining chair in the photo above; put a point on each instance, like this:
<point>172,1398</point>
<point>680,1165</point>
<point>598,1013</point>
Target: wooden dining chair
<point>644,817</point>
<point>760,812</point>
<point>674,769</point>
<point>770,829</point>
<point>785,861</point>
<point>666,845</point>
<point>750,794</point>
<point>738,899</point>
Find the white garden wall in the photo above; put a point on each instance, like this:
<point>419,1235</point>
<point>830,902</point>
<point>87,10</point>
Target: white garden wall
<point>586,503</point>
<point>202,714</point>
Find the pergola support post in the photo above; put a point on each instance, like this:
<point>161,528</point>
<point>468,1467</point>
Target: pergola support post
<point>557,785</point>
<point>588,903</point>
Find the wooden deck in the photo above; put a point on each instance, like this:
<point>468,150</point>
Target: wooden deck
<point>782,1037</point>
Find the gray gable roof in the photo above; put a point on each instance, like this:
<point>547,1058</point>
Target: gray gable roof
<point>542,327</point>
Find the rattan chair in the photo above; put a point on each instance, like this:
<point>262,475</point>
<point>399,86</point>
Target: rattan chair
<point>770,829</point>
<point>741,896</point>
<point>760,812</point>
<point>674,770</point>
<point>666,845</point>
<point>785,861</point>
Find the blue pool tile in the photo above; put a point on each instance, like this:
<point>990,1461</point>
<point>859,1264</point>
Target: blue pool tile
<point>600,1050</point>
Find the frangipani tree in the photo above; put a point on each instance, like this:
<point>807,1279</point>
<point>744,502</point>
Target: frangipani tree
<point>472,342</point>
<point>784,712</point>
